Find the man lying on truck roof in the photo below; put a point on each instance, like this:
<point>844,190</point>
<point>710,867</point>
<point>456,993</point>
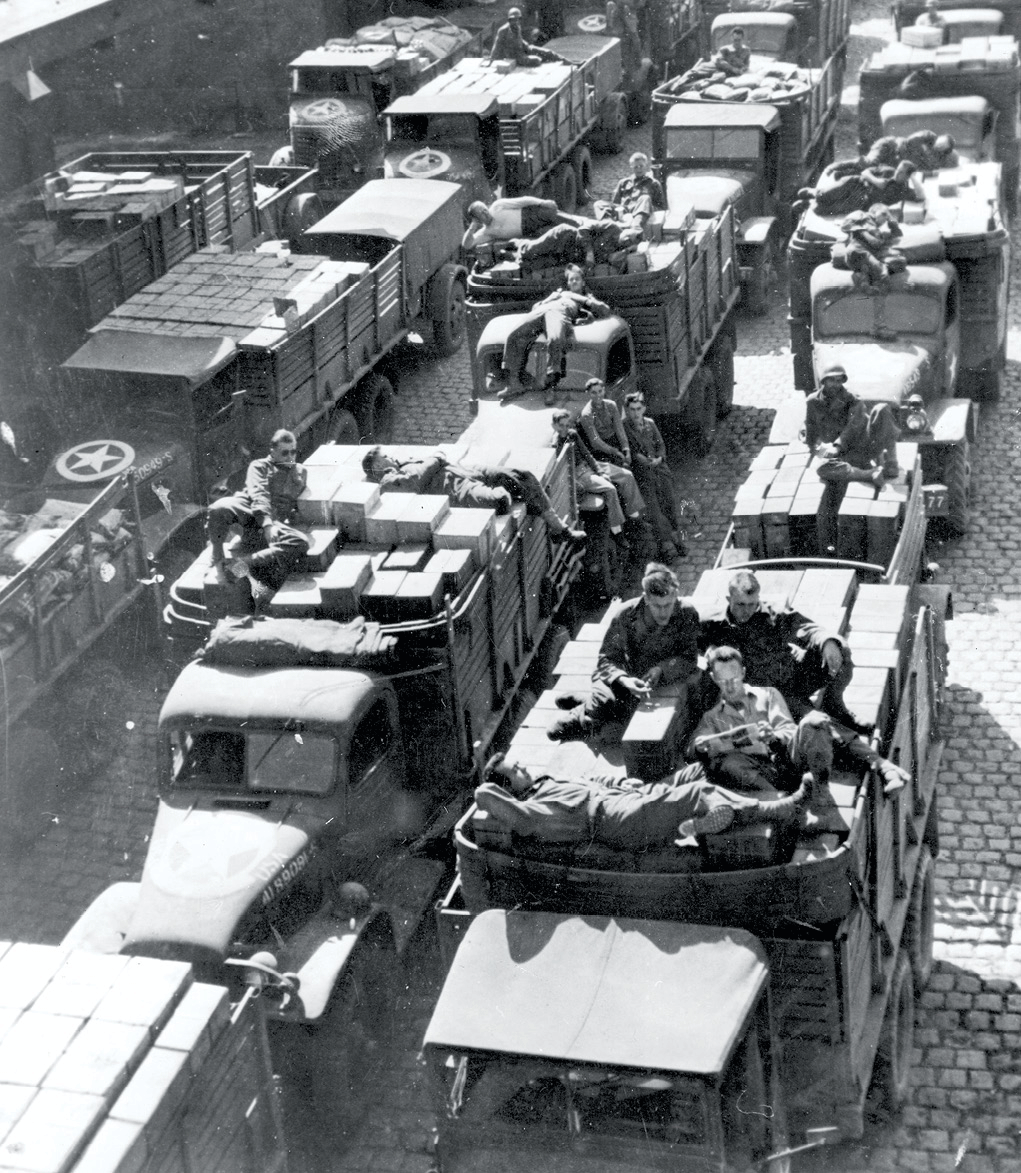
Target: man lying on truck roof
<point>749,742</point>
<point>629,815</point>
<point>652,640</point>
<point>469,487</point>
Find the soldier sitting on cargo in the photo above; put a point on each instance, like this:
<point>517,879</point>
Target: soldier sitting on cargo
<point>874,183</point>
<point>652,640</point>
<point>468,487</point>
<point>555,315</point>
<point>869,248</point>
<point>615,485</point>
<point>748,741</point>
<point>265,509</point>
<point>735,58</point>
<point>509,44</point>
<point>625,814</point>
<point>932,17</point>
<point>635,197</point>
<point>858,443</point>
<point>783,649</point>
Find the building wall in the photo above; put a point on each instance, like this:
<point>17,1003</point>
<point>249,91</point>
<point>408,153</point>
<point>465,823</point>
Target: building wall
<point>199,66</point>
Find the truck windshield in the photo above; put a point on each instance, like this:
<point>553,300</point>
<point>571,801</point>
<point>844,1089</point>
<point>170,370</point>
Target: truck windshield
<point>901,312</point>
<point>292,763</point>
<point>450,130</point>
<point>733,143</point>
<point>513,1093</point>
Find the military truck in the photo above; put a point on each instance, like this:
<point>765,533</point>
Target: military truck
<point>669,32</point>
<point>843,913</point>
<point>968,18</point>
<point>129,1063</point>
<point>979,67</point>
<point>755,154</point>
<point>79,242</point>
<point>671,334</point>
<point>808,32</point>
<point>300,755</point>
<point>339,90</point>
<point>527,132</point>
<point>228,348</point>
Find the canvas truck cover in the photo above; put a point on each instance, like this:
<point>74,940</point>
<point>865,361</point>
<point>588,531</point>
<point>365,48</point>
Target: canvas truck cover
<point>654,995</point>
<point>193,359</point>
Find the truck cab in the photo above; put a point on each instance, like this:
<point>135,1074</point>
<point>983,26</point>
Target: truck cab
<point>894,342</point>
<point>455,137</point>
<point>584,1043</point>
<point>771,36</point>
<point>713,155</point>
<point>970,120</point>
<point>602,349</point>
<point>337,96</point>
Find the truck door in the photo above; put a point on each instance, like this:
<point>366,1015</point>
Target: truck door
<point>378,806</point>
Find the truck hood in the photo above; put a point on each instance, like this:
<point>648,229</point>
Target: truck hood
<point>461,166</point>
<point>709,192</point>
<point>879,372</point>
<point>206,867</point>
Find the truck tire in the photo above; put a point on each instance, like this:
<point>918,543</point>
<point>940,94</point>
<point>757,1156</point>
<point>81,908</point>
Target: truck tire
<point>892,1074</point>
<point>919,931</point>
<point>540,674</point>
<point>612,123</point>
<point>721,359</point>
<point>958,479</point>
<point>94,704</point>
<point>374,409</point>
<point>284,157</point>
<point>581,161</point>
<point>447,293</point>
<point>756,292</point>
<point>565,188</point>
<point>30,774</point>
<point>700,417</point>
<point>301,212</point>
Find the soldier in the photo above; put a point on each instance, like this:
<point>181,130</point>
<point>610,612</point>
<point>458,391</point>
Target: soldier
<point>735,58</point>
<point>509,44</point>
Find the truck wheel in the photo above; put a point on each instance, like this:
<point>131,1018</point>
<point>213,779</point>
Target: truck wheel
<point>613,123</point>
<point>301,212</point>
<point>721,359</point>
<point>701,414</point>
<point>94,705</point>
<point>565,188</point>
<point>284,157</point>
<point>958,478</point>
<point>581,161</point>
<point>375,409</point>
<point>343,428</point>
<point>30,774</point>
<point>919,931</point>
<point>892,1076</point>
<point>446,309</point>
<point>540,674</point>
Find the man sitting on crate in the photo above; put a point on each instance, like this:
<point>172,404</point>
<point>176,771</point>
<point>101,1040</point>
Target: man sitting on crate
<point>749,742</point>
<point>626,814</point>
<point>509,44</point>
<point>265,509</point>
<point>652,640</point>
<point>858,443</point>
<point>635,197</point>
<point>468,487</point>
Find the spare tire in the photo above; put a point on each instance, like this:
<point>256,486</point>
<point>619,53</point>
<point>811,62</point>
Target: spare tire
<point>425,164</point>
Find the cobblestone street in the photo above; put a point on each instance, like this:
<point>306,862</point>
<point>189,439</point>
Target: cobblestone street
<point>965,1109</point>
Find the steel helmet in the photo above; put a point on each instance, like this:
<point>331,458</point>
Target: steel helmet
<point>514,12</point>
<point>834,371</point>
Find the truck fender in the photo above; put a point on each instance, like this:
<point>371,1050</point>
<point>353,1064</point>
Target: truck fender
<point>756,231</point>
<point>319,975</point>
<point>103,926</point>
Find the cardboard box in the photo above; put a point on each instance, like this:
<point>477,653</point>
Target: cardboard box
<point>322,549</point>
<point>421,513</point>
<point>340,587</point>
<point>420,595</point>
<point>381,524</point>
<point>315,505</point>
<point>298,598</point>
<point>456,568</point>
<point>379,596</point>
<point>409,557</point>
<point>352,503</point>
<point>468,529</point>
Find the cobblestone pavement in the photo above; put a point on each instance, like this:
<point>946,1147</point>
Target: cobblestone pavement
<point>965,1109</point>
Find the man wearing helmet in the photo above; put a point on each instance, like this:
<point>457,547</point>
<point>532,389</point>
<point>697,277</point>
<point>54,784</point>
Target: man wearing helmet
<point>857,443</point>
<point>509,44</point>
